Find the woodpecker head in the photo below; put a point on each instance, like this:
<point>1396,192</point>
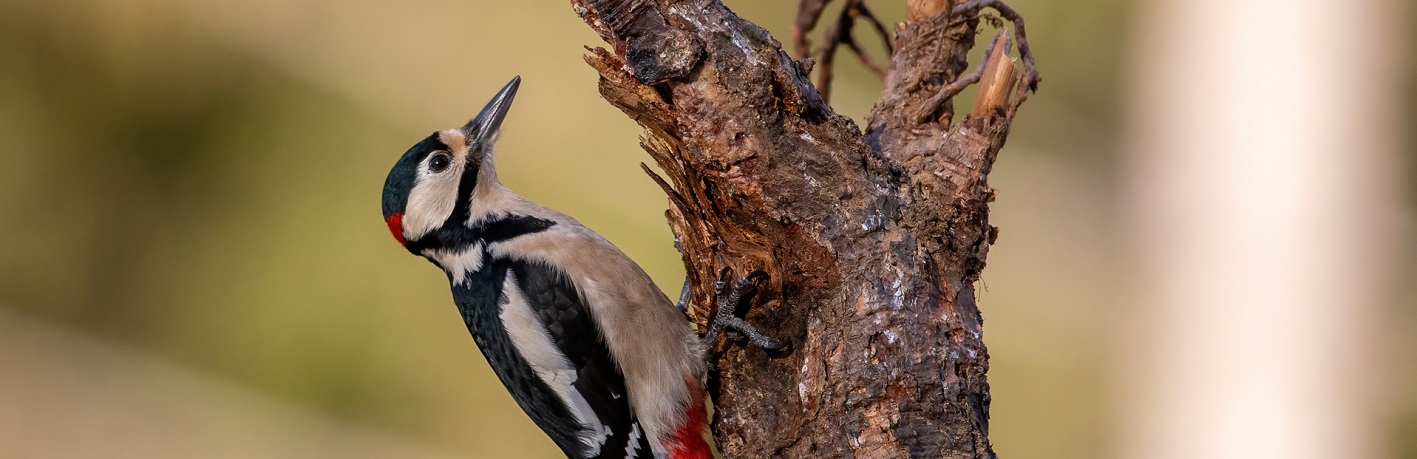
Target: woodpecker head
<point>428,192</point>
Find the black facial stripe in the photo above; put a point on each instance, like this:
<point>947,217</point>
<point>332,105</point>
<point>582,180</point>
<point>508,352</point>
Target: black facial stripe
<point>462,209</point>
<point>454,236</point>
<point>516,225</point>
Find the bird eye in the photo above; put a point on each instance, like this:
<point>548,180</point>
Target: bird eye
<point>439,162</point>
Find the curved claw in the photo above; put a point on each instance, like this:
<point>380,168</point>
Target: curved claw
<point>778,348</point>
<point>730,299</point>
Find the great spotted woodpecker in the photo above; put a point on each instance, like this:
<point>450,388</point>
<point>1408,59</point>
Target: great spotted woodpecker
<point>588,346</point>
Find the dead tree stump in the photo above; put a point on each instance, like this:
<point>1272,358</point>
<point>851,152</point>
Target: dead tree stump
<point>872,240</point>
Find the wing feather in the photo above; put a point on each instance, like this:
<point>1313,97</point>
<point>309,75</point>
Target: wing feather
<point>557,306</point>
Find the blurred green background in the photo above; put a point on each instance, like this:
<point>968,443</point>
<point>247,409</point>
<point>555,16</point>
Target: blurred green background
<point>190,236</point>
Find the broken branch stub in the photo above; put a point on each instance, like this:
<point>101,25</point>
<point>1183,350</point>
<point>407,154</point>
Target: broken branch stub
<point>996,85</point>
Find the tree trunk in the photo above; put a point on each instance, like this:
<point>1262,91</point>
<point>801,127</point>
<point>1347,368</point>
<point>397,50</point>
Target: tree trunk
<point>872,241</point>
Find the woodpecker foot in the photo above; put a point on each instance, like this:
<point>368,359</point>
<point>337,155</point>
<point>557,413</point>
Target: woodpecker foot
<point>730,299</point>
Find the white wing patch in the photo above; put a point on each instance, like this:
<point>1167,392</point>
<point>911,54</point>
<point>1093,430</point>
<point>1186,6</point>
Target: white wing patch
<point>634,446</point>
<point>534,343</point>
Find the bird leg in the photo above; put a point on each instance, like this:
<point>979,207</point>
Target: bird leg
<point>730,298</point>
<point>683,303</point>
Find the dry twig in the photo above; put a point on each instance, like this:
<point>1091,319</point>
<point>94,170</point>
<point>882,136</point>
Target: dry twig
<point>1031,77</point>
<point>809,12</point>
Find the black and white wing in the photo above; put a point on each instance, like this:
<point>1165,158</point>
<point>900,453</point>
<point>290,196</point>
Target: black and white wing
<point>550,324</point>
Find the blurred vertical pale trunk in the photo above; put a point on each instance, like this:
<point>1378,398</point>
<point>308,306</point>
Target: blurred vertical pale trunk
<point>1262,177</point>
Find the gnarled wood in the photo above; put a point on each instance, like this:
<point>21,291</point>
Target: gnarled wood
<point>873,240</point>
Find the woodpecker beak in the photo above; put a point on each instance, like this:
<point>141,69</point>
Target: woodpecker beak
<point>485,126</point>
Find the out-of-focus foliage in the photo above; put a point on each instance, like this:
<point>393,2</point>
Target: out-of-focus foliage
<point>199,179</point>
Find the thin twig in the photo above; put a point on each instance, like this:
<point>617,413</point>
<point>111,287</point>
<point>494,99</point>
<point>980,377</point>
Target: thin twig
<point>857,9</point>
<point>841,33</point>
<point>808,13</point>
<point>880,27</point>
<point>1031,77</point>
<point>933,104</point>
<point>866,59</point>
<point>831,41</point>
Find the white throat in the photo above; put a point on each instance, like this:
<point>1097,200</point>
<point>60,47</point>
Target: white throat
<point>459,264</point>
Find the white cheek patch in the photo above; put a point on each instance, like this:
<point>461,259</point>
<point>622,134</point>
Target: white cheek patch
<point>434,195</point>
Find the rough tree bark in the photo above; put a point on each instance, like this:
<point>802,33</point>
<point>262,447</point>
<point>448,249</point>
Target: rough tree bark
<point>873,240</point>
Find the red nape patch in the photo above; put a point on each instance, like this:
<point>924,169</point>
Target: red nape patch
<point>396,226</point>
<point>687,441</point>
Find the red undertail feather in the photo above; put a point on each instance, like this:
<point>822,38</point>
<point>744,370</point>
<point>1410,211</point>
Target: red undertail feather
<point>687,442</point>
